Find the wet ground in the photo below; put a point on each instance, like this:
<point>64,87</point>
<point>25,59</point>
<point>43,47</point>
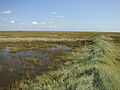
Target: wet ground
<point>59,47</point>
<point>25,64</point>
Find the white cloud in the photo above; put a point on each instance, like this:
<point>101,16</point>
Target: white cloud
<point>59,16</point>
<point>54,13</point>
<point>52,26</point>
<point>6,12</point>
<point>12,21</point>
<point>34,22</point>
<point>42,23</point>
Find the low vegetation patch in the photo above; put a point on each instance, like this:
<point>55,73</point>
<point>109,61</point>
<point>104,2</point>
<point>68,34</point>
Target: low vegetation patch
<point>93,67</point>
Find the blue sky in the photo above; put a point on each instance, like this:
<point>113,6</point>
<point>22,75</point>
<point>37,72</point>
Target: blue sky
<point>81,15</point>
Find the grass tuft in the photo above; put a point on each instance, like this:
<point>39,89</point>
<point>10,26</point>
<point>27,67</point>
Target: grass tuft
<point>93,67</point>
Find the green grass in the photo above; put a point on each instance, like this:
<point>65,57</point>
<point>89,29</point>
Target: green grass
<point>92,67</point>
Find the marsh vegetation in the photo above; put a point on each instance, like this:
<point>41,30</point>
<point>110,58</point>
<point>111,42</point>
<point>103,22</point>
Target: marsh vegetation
<point>59,61</point>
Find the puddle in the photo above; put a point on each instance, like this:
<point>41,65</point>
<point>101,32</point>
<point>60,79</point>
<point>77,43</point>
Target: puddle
<point>59,47</point>
<point>6,55</point>
<point>16,65</point>
<point>7,49</point>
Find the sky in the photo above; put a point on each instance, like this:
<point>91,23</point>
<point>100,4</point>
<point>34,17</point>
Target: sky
<point>61,15</point>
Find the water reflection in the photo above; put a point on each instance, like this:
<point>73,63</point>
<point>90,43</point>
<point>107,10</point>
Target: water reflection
<point>17,67</point>
<point>59,47</point>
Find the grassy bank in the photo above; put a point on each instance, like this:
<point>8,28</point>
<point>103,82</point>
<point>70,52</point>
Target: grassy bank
<point>93,67</point>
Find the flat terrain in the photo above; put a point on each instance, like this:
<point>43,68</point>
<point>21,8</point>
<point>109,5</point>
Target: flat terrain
<point>52,34</point>
<point>59,60</point>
